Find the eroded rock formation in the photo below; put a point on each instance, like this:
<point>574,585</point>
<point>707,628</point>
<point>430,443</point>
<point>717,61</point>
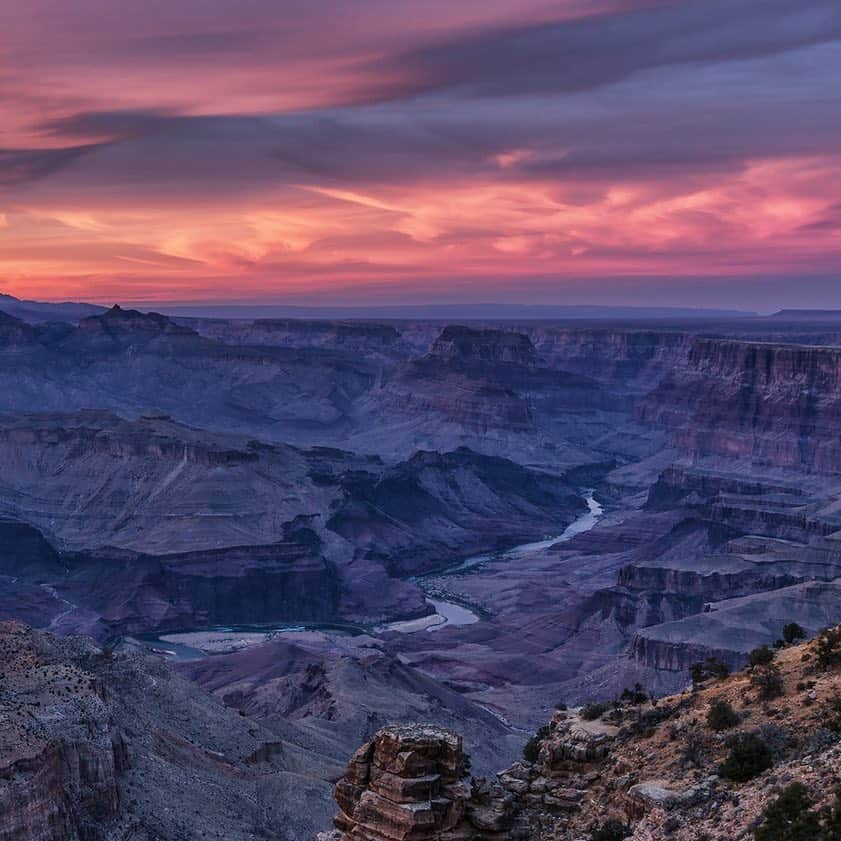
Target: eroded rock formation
<point>406,783</point>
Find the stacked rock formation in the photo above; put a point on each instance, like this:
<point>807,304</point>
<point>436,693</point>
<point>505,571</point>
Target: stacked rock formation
<point>571,754</point>
<point>406,784</point>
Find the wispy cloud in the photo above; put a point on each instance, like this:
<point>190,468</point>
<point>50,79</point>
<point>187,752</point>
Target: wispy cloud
<point>444,145</point>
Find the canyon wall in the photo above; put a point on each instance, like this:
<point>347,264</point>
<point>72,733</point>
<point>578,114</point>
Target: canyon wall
<point>775,405</point>
<point>633,359</point>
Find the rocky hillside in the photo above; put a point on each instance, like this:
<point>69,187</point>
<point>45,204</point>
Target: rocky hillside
<point>106,746</point>
<point>737,756</point>
<point>36,312</point>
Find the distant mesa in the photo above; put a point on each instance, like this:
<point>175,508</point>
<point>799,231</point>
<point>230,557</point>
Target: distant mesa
<point>469,345</point>
<point>13,330</point>
<point>155,415</point>
<point>118,320</point>
<point>9,320</point>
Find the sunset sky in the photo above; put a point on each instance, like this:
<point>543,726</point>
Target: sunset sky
<point>316,151</point>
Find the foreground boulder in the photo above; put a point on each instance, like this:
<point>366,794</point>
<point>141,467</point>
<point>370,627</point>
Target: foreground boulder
<point>406,784</point>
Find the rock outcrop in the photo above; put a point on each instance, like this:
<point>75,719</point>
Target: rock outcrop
<point>405,785</point>
<point>119,322</point>
<point>484,346</point>
<point>408,784</point>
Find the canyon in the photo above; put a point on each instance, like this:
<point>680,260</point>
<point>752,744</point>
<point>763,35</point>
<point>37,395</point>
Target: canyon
<point>315,529</point>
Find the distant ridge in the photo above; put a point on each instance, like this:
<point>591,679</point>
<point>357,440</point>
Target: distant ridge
<point>471,312</point>
<point>807,315</point>
<point>37,312</point>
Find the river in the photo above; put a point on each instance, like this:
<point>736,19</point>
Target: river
<point>192,644</point>
<point>457,613</point>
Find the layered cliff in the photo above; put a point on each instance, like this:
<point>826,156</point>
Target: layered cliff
<point>773,404</point>
<point>92,479</point>
<point>488,389</point>
<point>731,628</point>
<point>629,359</point>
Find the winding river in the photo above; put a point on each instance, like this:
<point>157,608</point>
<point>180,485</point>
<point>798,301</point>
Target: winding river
<point>457,613</point>
<point>198,643</point>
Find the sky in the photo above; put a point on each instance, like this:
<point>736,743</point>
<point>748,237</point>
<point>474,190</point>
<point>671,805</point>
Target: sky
<point>649,152</point>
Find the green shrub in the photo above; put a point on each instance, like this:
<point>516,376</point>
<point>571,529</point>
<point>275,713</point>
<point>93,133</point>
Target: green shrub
<point>793,632</point>
<point>831,819</point>
<point>768,680</point>
<point>722,716</point>
<point>790,817</point>
<point>711,667</point>
<point>828,649</point>
<point>697,673</point>
<point>832,714</point>
<point>762,656</point>
<point>749,757</point>
<point>590,712</point>
<point>693,750</point>
<point>531,750</point>
<point>634,696</point>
